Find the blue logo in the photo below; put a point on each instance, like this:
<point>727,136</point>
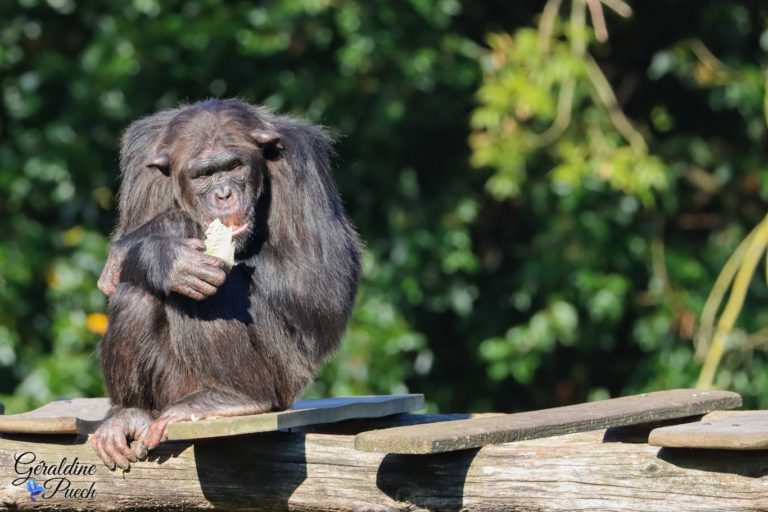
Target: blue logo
<point>34,488</point>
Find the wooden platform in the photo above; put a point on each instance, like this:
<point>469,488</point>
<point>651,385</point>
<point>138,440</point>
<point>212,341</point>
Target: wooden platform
<point>316,466</point>
<point>593,471</point>
<point>83,416</point>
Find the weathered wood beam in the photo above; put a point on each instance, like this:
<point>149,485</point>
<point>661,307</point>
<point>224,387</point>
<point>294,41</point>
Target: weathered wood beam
<point>742,430</point>
<point>614,412</point>
<point>297,471</point>
<point>84,415</point>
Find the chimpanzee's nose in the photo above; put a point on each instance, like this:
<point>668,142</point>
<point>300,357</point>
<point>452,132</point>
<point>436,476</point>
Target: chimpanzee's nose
<point>223,194</point>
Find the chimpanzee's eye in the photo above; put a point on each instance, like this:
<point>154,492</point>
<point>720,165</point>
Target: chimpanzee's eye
<point>201,178</point>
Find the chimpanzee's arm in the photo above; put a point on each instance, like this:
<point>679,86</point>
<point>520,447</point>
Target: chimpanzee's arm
<point>162,256</point>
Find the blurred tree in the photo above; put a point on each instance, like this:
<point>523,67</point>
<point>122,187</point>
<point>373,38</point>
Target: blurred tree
<point>577,271</point>
<point>630,217</point>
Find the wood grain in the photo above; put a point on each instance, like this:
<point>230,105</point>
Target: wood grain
<point>740,431</point>
<point>320,472</point>
<point>477,432</point>
<point>83,416</point>
<point>70,416</point>
<point>303,412</point>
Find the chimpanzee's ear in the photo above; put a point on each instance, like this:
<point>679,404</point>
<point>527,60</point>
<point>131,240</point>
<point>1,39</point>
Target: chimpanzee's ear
<point>160,162</point>
<point>269,141</point>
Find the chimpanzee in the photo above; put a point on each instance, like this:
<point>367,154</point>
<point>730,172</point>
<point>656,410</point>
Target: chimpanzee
<point>189,336</point>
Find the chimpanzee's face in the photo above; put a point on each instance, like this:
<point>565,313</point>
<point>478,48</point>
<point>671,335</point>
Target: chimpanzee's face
<point>217,163</point>
<point>221,183</point>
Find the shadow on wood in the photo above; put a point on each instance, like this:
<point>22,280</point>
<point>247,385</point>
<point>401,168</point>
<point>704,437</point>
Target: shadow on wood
<point>54,441</point>
<point>271,480</point>
<point>639,433</point>
<point>418,479</point>
<point>353,427</point>
<point>245,471</point>
<point>168,451</point>
<point>752,464</point>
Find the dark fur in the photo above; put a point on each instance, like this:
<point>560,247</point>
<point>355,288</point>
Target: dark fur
<point>284,306</point>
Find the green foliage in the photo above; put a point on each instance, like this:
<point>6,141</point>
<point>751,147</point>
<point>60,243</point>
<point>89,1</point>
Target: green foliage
<point>622,198</point>
<point>525,115</point>
<point>563,253</point>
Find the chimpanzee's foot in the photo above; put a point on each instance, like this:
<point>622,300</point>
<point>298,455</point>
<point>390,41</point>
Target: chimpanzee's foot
<point>110,441</point>
<point>198,406</point>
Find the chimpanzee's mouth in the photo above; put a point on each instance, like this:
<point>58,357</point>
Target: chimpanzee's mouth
<point>241,223</point>
<point>239,230</point>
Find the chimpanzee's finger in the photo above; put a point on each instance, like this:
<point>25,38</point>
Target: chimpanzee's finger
<point>201,286</point>
<point>141,450</point>
<point>192,293</point>
<point>186,290</point>
<point>111,446</point>
<point>211,261</point>
<point>124,449</point>
<point>107,284</point>
<point>190,260</point>
<point>155,433</point>
<point>97,442</point>
<point>196,244</point>
<point>211,275</point>
<point>110,277</point>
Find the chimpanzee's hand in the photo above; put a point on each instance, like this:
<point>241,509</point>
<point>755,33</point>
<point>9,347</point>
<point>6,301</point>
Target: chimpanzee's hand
<point>193,273</point>
<point>111,440</point>
<point>110,276</point>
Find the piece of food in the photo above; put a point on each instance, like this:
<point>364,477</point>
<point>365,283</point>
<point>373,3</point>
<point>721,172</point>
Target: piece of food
<point>218,242</point>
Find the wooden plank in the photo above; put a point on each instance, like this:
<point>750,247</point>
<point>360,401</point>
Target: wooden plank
<point>320,472</point>
<point>746,430</point>
<point>303,412</point>
<point>723,414</point>
<point>70,416</point>
<point>83,416</point>
<point>477,432</point>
